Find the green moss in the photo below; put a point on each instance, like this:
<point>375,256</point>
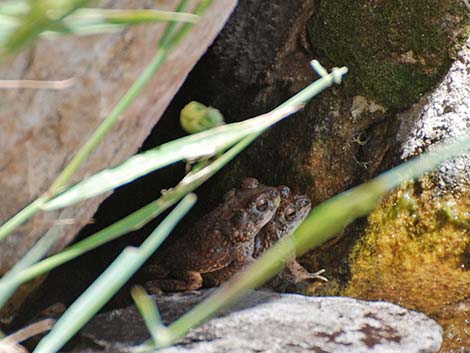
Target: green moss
<point>406,202</point>
<point>396,50</point>
<point>452,215</point>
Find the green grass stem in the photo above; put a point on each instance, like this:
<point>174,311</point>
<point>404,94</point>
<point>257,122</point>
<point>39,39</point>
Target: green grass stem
<point>9,282</point>
<point>83,154</point>
<point>21,217</point>
<point>323,223</point>
<point>149,311</point>
<point>109,282</point>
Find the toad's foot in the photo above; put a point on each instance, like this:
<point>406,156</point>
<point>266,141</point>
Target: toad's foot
<point>293,278</point>
<point>182,282</point>
<point>300,274</point>
<point>315,275</point>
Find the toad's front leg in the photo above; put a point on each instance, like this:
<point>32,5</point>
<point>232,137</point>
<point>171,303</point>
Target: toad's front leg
<point>241,257</point>
<point>300,274</point>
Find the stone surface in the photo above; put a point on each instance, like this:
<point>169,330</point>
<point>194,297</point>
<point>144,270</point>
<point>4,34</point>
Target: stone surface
<point>443,115</point>
<point>268,322</point>
<point>419,237</point>
<point>40,130</point>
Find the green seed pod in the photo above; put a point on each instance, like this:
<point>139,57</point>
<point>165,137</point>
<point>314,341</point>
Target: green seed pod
<point>196,117</point>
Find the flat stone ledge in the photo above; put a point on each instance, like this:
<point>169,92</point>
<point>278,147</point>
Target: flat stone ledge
<point>270,322</point>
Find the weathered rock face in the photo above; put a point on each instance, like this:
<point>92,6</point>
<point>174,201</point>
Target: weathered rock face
<point>40,130</point>
<point>414,249</point>
<point>264,321</point>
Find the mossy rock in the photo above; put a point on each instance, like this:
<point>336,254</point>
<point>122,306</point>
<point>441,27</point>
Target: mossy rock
<point>415,252</point>
<point>396,50</point>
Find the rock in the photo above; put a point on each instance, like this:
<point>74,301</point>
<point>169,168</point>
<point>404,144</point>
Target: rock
<point>267,322</point>
<point>40,130</point>
<point>419,236</point>
<point>396,52</point>
<point>408,89</point>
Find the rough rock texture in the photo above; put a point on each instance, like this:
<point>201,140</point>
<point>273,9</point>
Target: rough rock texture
<point>267,322</point>
<point>441,116</point>
<point>419,237</point>
<point>40,129</point>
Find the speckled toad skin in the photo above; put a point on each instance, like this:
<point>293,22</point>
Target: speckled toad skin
<point>223,237</point>
<point>290,213</point>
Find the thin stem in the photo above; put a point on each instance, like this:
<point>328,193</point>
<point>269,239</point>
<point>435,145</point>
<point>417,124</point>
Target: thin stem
<point>111,120</point>
<point>185,28</point>
<point>167,37</point>
<point>83,154</point>
<point>21,217</point>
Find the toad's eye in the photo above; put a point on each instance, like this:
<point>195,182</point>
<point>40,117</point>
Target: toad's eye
<point>289,215</point>
<point>262,205</point>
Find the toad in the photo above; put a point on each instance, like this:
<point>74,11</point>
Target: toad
<point>223,239</point>
<point>291,212</point>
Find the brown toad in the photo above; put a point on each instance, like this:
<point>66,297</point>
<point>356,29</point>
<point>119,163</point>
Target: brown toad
<point>222,239</point>
<point>290,213</point>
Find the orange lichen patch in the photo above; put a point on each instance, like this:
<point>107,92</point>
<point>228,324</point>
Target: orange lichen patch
<point>415,251</point>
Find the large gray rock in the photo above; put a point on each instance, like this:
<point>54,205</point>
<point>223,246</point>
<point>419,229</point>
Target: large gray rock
<point>269,322</point>
<point>439,117</point>
<point>40,130</point>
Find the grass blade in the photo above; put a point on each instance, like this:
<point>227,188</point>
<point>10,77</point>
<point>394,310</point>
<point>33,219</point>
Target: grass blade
<point>39,17</point>
<point>323,223</point>
<point>106,285</point>
<point>94,21</point>
<point>130,223</point>
<point>9,282</point>
<point>203,144</point>
<point>149,311</point>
